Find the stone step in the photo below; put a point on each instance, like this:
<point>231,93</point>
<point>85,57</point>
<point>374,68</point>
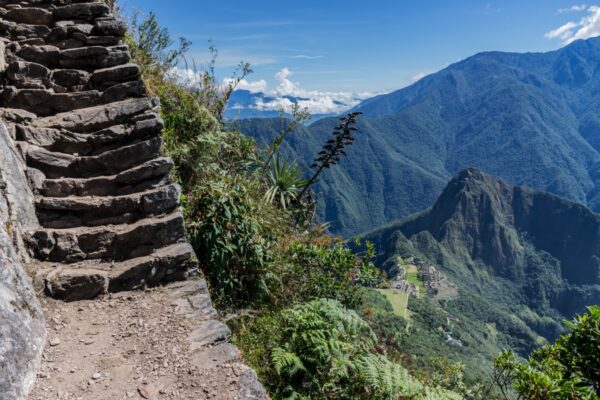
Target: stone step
<point>100,117</point>
<point>46,102</point>
<point>103,79</point>
<point>30,16</point>
<point>140,178</point>
<point>96,143</point>
<point>15,31</point>
<point>59,165</point>
<point>88,280</point>
<point>116,242</point>
<point>72,212</point>
<point>88,58</point>
<point>92,58</point>
<point>81,11</point>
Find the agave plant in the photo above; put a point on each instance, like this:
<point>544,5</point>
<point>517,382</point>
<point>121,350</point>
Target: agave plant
<point>285,182</point>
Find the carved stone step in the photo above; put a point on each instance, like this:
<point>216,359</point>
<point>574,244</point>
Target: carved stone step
<point>45,102</point>
<point>139,178</point>
<point>94,57</point>
<point>119,242</point>
<point>82,11</point>
<point>100,117</point>
<point>15,31</point>
<point>107,77</point>
<point>71,212</point>
<point>58,165</point>
<point>64,141</point>
<point>30,16</point>
<point>88,280</point>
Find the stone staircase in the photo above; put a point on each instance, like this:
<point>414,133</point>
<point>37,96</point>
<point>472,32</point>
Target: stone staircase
<point>108,218</point>
<point>90,137</point>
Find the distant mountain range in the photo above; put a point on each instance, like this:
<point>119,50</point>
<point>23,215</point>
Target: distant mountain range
<point>522,260</point>
<point>530,118</point>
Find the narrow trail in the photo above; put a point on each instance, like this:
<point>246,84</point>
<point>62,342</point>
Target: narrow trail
<point>161,343</point>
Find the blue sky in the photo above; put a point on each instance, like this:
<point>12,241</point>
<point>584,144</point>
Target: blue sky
<point>364,46</point>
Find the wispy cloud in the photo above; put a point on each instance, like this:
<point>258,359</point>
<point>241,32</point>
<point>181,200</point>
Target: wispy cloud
<point>490,9</point>
<point>232,57</point>
<point>575,8</point>
<point>587,27</point>
<point>306,57</point>
<point>259,24</point>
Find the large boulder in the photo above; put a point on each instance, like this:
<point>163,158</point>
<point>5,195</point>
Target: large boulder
<point>22,327</point>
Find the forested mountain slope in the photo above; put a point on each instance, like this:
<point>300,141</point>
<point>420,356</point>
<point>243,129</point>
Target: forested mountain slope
<point>529,118</point>
<point>522,261</point>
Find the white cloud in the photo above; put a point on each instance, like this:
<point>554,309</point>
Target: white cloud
<point>283,95</point>
<point>586,27</point>
<point>317,102</point>
<point>575,8</point>
<point>251,86</point>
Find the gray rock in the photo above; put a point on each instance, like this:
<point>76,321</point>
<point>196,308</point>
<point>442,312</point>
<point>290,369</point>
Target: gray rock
<point>21,31</point>
<point>107,77</point>
<point>62,102</point>
<point>95,118</point>
<point>76,284</point>
<point>209,333</point>
<point>31,16</point>
<point>110,27</point>
<point>46,55</point>
<point>81,11</point>
<point>103,40</point>
<point>3,63</point>
<point>22,328</point>
<point>94,57</point>
<point>70,77</point>
<point>123,91</point>
<point>22,72</point>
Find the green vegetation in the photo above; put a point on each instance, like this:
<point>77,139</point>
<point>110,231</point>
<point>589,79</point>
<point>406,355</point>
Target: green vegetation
<point>412,276</point>
<point>521,263</point>
<point>529,118</point>
<point>300,302</point>
<point>568,369</point>
<point>398,300</point>
<point>289,288</point>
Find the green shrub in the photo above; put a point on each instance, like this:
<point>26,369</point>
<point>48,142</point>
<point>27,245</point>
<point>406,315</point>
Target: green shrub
<point>568,369</point>
<point>326,352</point>
<point>232,234</point>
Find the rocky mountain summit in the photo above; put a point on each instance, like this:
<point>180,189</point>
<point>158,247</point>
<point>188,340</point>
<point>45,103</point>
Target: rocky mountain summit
<point>101,211</point>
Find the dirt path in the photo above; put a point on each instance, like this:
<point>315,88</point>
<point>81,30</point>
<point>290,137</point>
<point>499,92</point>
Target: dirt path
<point>163,343</point>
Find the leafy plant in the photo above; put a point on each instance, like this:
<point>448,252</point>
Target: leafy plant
<point>231,231</point>
<point>327,352</point>
<point>153,48</point>
<point>568,369</point>
<point>320,267</point>
<point>285,182</point>
<point>299,116</point>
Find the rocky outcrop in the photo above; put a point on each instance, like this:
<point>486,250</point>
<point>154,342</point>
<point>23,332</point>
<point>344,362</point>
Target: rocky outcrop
<point>22,328</point>
<point>90,138</point>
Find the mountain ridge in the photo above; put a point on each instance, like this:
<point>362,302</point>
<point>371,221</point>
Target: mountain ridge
<point>529,118</point>
<point>522,261</point>
<point>485,220</point>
